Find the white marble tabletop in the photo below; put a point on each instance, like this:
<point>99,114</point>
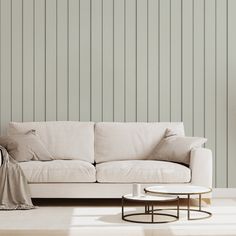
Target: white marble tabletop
<point>178,190</point>
<point>146,197</point>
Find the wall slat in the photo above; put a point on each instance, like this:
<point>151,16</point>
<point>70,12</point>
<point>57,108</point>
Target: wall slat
<point>107,63</point>
<point>153,62</point>
<point>165,60</point>
<point>231,93</point>
<point>221,94</point>
<point>62,59</point>
<point>17,60</point>
<point>39,59</point>
<point>5,67</point>
<point>85,60</point>
<point>187,65</point>
<point>176,60</point>
<point>51,60</point>
<point>210,77</point>
<point>198,69</point>
<point>119,78</point>
<point>28,60</point>
<point>130,60</point>
<point>142,76</point>
<point>74,65</point>
<point>96,60</point>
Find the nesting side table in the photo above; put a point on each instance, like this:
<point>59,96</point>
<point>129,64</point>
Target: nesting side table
<point>188,190</point>
<point>149,201</point>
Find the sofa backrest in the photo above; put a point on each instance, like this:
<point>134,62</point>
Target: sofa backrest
<point>63,139</point>
<point>128,141</point>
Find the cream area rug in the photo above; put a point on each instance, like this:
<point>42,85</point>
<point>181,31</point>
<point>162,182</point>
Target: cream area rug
<point>71,220</point>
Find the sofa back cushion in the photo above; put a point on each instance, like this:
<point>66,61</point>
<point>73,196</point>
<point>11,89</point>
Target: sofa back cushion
<point>129,141</point>
<point>63,139</point>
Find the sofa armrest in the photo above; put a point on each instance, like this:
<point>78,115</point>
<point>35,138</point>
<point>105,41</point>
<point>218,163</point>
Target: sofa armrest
<point>201,167</point>
<point>1,158</point>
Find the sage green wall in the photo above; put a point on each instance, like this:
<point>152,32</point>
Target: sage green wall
<point>124,60</point>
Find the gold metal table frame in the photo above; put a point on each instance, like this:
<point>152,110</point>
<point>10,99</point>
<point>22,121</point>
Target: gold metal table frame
<point>188,209</point>
<point>149,210</point>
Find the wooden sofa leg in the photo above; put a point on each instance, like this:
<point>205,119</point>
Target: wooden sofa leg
<point>207,201</point>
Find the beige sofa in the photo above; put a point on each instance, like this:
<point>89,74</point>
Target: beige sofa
<point>102,160</point>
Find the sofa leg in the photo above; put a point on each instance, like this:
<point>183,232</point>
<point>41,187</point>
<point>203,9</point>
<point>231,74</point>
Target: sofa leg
<point>205,202</point>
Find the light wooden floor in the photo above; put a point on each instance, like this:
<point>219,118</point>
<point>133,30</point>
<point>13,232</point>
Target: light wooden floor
<point>76,217</point>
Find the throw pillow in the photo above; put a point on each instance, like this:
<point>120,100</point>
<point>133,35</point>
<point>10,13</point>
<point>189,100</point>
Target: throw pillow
<point>175,148</point>
<point>25,147</point>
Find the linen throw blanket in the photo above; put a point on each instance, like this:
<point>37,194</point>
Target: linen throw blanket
<point>14,189</point>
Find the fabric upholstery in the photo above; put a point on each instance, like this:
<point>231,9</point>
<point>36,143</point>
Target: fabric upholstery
<point>176,148</point>
<point>142,171</point>
<point>128,141</point>
<point>14,188</point>
<point>58,171</point>
<point>25,147</point>
<point>63,139</point>
<point>201,167</point>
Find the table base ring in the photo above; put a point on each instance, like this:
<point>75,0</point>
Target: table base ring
<point>175,218</point>
<point>209,214</point>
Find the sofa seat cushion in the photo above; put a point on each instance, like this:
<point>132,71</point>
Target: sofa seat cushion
<point>60,171</point>
<point>143,171</point>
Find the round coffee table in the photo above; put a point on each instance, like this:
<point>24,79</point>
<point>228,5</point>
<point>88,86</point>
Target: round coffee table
<point>188,191</point>
<point>149,202</point>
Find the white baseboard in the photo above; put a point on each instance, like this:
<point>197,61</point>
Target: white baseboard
<point>224,193</point>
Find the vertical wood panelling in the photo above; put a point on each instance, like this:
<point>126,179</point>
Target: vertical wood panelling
<point>142,76</point>
<point>74,65</point>
<point>107,62</point>
<point>210,78</point>
<point>153,50</point>
<point>124,60</point>
<point>85,60</point>
<point>187,65</point>
<point>119,78</point>
<point>199,60</point>
<point>130,60</point>
<point>39,58</point>
<point>51,60</point>
<point>28,60</point>
<point>231,93</point>
<point>5,69</point>
<point>96,60</point>
<point>165,60</point>
<point>17,60</point>
<point>221,93</point>
<point>62,60</point>
<point>176,60</point>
